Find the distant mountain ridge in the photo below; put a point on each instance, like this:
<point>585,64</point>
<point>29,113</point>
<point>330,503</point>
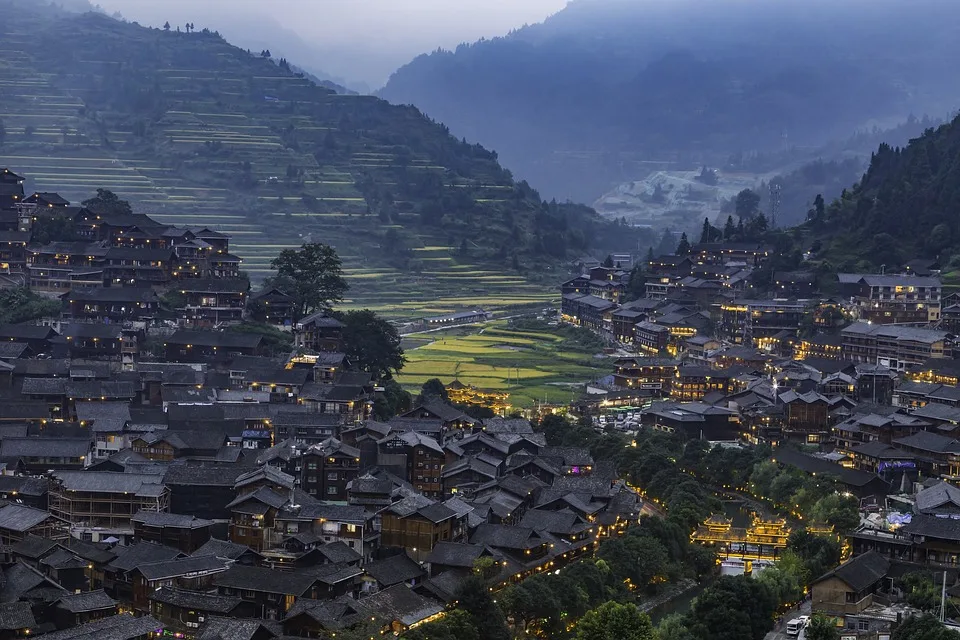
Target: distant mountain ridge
<point>585,99</point>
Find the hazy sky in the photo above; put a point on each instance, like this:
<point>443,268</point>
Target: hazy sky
<point>362,40</point>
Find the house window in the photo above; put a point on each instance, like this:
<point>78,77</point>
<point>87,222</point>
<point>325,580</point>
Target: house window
<point>332,476</point>
<point>851,596</point>
<point>331,490</point>
<point>863,625</point>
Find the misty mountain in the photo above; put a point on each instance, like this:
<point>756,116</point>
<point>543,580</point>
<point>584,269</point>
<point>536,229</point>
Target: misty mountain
<point>602,89</point>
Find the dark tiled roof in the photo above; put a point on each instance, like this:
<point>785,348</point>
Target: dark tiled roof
<point>33,547</point>
<point>455,554</point>
<point>862,571</point>
<point>395,570</point>
<point>217,628</point>
<point>206,475</point>
<point>222,549</point>
<point>207,602</point>
<point>114,294</point>
<point>133,556</point>
<point>338,553</point>
<point>16,517</point>
<point>221,339</point>
<point>89,601</point>
<point>18,579</point>
<point>175,520</point>
<point>927,441</point>
<point>294,583</point>
<point>181,567</point>
<point>91,330</point>
<point>939,495</point>
<point>25,331</point>
<point>118,627</point>
<point>944,528</point>
<point>401,604</point>
<point>16,616</point>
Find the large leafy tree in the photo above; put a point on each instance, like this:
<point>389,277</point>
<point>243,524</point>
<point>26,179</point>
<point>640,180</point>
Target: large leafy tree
<point>747,204</point>
<point>313,275</point>
<point>615,621</point>
<point>372,343</point>
<point>925,627</point>
<point>733,609</point>
<point>107,203</point>
<point>473,597</point>
<point>455,625</point>
<point>822,627</point>
<point>23,305</point>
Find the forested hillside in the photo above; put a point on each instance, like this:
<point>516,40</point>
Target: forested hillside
<point>195,131</point>
<point>607,89</point>
<point>904,207</point>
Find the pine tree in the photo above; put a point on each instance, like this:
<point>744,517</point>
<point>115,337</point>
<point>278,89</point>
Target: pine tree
<point>819,207</point>
<point>706,235</point>
<point>684,247</point>
<point>729,229</point>
<point>166,26</point>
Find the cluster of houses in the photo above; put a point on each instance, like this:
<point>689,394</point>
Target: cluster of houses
<point>861,386</point>
<point>177,480</point>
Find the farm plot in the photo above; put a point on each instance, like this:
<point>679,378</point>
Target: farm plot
<point>534,367</point>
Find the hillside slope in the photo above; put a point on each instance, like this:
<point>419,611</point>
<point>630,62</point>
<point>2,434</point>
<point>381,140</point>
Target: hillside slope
<point>607,90</point>
<point>195,131</point>
<point>904,207</point>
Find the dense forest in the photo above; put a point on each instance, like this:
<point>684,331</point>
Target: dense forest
<point>904,207</point>
<point>608,86</point>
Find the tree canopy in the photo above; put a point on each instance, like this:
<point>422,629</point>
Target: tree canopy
<point>107,203</point>
<point>313,275</point>
<point>615,621</point>
<point>372,343</point>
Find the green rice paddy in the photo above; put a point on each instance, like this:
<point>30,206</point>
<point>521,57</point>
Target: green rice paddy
<point>533,367</point>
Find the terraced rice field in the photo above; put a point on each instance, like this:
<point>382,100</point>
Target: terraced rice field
<point>234,116</point>
<point>534,367</point>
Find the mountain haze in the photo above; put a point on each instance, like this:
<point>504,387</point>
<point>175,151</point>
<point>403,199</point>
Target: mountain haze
<point>605,90</point>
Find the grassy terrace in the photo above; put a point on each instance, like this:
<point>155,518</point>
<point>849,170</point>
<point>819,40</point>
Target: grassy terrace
<point>533,366</point>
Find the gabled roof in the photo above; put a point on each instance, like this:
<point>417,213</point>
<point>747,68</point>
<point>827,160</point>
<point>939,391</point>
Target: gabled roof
<point>181,566</point>
<point>295,583</point>
<point>20,578</point>
<point>85,602</point>
<point>16,616</point>
<point>132,556</point>
<point>20,518</point>
<point>399,603</point>
<point>119,627</point>
<point>265,473</point>
<point>860,572</point>
<point>104,416</point>
<point>217,628</point>
<point>455,554</point>
<point>932,442</point>
<point>939,495</point>
<point>943,527</point>
<point>505,537</point>
<point>187,599</point>
<point>139,484</point>
<point>173,520</point>
<point>222,549</point>
<point>220,339</point>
